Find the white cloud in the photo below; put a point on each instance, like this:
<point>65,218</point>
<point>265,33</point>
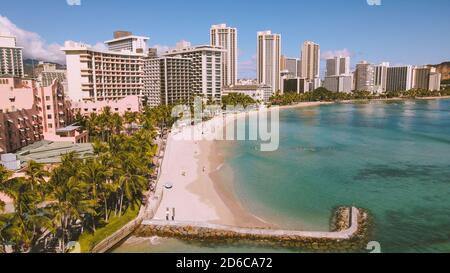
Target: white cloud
<point>34,45</point>
<point>161,49</point>
<point>247,68</point>
<point>331,54</point>
<point>100,46</point>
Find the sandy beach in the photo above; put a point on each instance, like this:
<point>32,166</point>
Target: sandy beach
<point>189,166</point>
<point>198,193</point>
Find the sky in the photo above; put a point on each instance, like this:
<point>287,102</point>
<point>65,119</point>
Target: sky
<point>397,31</point>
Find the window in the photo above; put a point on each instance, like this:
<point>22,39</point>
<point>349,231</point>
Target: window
<point>49,107</point>
<point>47,98</point>
<point>50,125</point>
<point>49,116</point>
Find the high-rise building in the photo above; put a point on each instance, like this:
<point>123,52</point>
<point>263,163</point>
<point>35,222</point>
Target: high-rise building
<point>205,70</point>
<point>102,75</point>
<point>338,66</point>
<point>167,80</point>
<point>399,78</point>
<point>380,77</point>
<point>435,81</point>
<point>338,77</point>
<point>296,85</point>
<point>226,37</point>
<point>340,83</point>
<point>268,59</point>
<point>152,53</point>
<point>11,57</point>
<point>364,77</point>
<point>290,67</point>
<point>310,57</point>
<point>125,41</point>
<point>426,78</point>
<point>283,62</point>
<point>48,72</point>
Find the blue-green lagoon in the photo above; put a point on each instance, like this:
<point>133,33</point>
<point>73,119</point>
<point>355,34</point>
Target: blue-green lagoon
<point>392,158</point>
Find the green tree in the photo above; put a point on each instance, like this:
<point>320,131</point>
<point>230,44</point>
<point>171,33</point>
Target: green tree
<point>36,174</point>
<point>28,221</point>
<point>72,201</point>
<point>96,176</point>
<point>5,175</point>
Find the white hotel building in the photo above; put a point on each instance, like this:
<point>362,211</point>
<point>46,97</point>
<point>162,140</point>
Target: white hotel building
<point>167,80</point>
<point>226,37</point>
<point>97,75</point>
<point>125,41</point>
<point>310,59</point>
<point>338,77</point>
<point>206,69</point>
<point>11,57</point>
<point>268,58</point>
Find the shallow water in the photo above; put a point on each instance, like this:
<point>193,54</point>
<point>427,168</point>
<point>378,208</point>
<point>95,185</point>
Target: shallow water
<point>391,158</point>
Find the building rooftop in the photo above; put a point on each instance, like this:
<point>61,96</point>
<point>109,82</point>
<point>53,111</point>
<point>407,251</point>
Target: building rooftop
<point>194,49</point>
<point>48,152</point>
<point>126,38</point>
<point>68,129</point>
<point>79,46</point>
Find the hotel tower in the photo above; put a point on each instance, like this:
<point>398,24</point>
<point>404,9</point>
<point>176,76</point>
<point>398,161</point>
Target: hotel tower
<point>11,58</point>
<point>310,53</point>
<point>226,37</point>
<point>268,59</point>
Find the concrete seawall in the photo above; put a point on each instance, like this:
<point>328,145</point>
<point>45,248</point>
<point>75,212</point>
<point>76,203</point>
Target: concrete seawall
<point>350,233</point>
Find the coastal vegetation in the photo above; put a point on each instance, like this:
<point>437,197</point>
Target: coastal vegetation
<point>84,200</point>
<point>322,94</point>
<point>235,99</point>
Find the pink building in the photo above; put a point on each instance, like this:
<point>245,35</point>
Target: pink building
<point>29,113</point>
<point>127,104</point>
<point>20,121</point>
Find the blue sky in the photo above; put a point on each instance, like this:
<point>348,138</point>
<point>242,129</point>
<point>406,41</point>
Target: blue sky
<point>398,31</point>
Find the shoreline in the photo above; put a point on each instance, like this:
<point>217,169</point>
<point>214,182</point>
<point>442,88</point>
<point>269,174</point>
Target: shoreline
<point>212,198</point>
<point>200,194</point>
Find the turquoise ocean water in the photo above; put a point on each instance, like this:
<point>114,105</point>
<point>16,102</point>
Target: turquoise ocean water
<point>392,158</point>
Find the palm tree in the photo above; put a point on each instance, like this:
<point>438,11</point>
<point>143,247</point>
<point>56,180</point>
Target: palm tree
<point>72,202</point>
<point>131,186</point>
<point>130,119</point>
<point>105,123</point>
<point>92,125</point>
<point>5,175</point>
<point>28,220</point>
<point>35,174</point>
<point>96,176</point>
<point>116,123</point>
